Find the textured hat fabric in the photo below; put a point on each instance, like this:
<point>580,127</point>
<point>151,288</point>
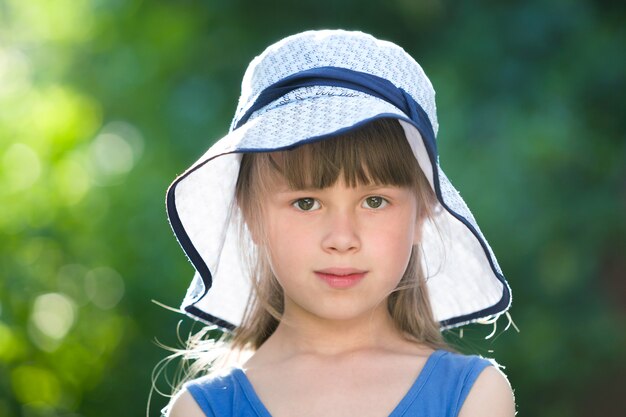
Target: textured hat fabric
<point>308,87</point>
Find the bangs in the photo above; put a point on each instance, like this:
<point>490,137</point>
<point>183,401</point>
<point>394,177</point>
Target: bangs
<point>376,153</point>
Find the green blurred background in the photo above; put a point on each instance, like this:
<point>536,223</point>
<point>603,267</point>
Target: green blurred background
<point>104,102</point>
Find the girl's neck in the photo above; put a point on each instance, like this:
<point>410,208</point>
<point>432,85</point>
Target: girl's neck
<point>315,336</point>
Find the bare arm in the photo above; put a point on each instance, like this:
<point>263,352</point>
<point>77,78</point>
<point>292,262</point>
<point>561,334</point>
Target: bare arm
<point>183,405</point>
<point>491,396</point>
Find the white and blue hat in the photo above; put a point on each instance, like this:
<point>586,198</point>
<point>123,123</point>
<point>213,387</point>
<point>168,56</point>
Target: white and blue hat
<point>307,87</point>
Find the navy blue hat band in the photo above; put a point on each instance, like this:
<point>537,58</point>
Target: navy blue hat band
<point>354,80</point>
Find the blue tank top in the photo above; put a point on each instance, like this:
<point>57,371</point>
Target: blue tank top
<point>438,391</point>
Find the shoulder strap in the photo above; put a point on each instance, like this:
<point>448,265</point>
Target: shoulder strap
<point>213,394</point>
<point>224,395</point>
<point>448,385</point>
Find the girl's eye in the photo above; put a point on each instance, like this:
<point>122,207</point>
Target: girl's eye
<point>306,204</point>
<point>375,202</point>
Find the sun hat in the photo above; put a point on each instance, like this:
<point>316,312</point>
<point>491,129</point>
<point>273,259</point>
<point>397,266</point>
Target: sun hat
<point>307,87</point>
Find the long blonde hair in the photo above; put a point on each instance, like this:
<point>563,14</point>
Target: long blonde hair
<point>377,152</point>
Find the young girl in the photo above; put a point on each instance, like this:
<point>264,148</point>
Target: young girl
<point>332,248</point>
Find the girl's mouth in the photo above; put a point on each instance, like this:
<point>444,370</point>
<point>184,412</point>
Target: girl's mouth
<point>341,277</point>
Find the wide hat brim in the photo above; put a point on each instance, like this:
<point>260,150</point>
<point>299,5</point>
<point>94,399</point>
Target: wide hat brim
<point>464,280</point>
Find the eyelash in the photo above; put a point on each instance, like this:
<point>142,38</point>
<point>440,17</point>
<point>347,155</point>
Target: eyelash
<point>296,204</point>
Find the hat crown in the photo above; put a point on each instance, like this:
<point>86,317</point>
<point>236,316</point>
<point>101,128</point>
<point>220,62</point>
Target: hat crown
<point>356,51</point>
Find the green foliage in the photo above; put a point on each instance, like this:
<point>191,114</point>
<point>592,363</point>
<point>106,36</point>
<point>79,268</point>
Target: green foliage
<point>103,102</point>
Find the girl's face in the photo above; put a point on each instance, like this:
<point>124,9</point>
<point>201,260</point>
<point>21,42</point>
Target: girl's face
<point>338,252</point>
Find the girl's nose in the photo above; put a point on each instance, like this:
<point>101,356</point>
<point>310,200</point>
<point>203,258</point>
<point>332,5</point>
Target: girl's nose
<point>341,234</point>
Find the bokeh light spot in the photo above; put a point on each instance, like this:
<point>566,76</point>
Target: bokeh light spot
<point>71,281</point>
<point>15,71</point>
<point>60,20</point>
<point>35,386</point>
<point>9,346</point>
<point>113,154</point>
<point>115,151</point>
<point>72,179</point>
<point>21,167</point>
<point>38,252</point>
<point>129,133</point>
<point>53,315</point>
<point>104,287</point>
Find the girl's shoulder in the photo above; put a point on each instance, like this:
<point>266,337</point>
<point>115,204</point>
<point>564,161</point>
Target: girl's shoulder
<point>183,405</point>
<point>491,394</point>
<point>210,395</point>
<point>467,386</point>
<point>479,386</point>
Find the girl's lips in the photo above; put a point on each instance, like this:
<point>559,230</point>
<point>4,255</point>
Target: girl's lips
<point>341,277</point>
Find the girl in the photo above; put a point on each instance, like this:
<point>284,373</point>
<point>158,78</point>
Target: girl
<point>358,250</point>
